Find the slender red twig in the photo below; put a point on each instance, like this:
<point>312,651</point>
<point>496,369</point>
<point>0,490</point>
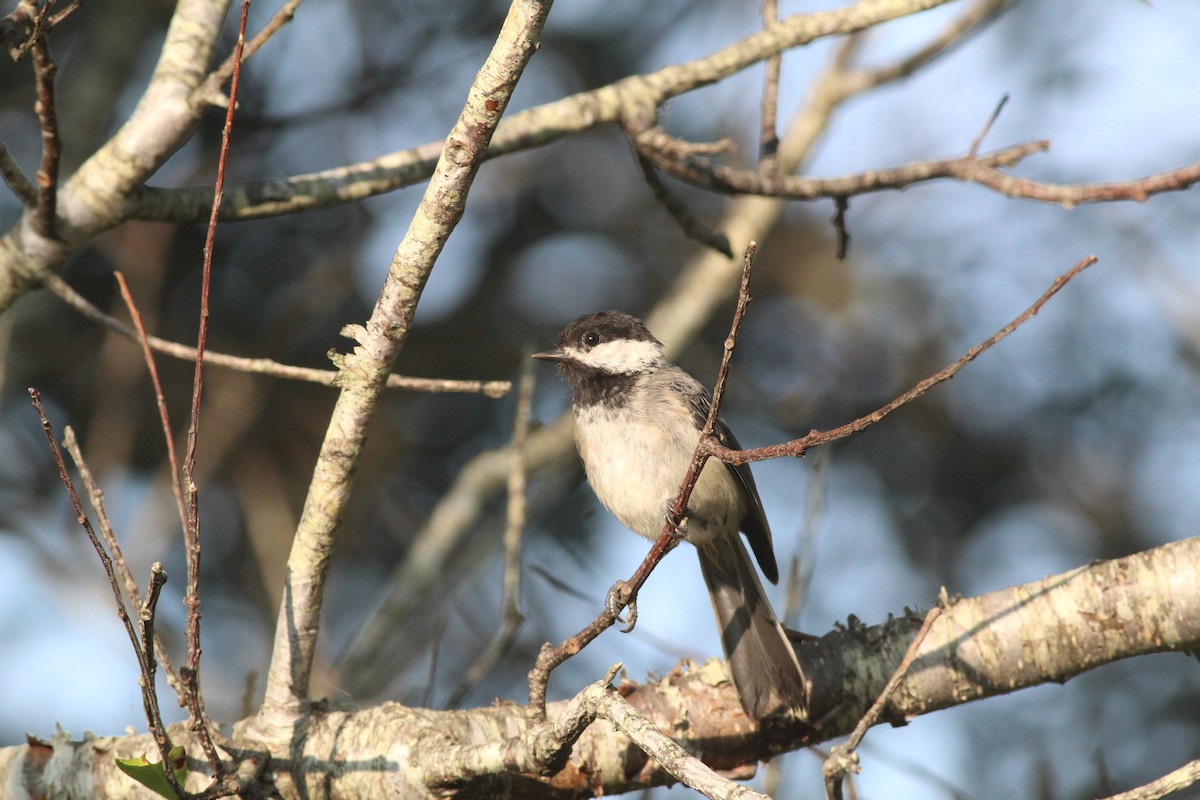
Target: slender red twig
<point>211,87</point>
<point>191,669</point>
<point>159,398</point>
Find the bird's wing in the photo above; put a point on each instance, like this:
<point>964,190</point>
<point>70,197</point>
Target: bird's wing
<point>754,523</point>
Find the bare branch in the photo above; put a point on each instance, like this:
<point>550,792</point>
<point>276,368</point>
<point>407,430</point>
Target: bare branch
<point>768,138</point>
<point>209,92</point>
<point>843,758</point>
<point>655,144</point>
<point>631,99</point>
<point>261,366</point>
<point>190,672</point>
<point>47,175</point>
<point>20,185</point>
<point>511,617</point>
<point>380,341</point>
<point>798,447</point>
<point>691,227</point>
<point>145,662</point>
<point>1174,781</point>
<point>687,768</point>
<point>96,497</point>
<point>980,647</point>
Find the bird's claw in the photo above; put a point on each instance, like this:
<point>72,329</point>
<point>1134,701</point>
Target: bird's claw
<point>619,597</point>
<point>679,527</point>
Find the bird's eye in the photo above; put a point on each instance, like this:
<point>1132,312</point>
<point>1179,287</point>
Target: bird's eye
<point>591,338</point>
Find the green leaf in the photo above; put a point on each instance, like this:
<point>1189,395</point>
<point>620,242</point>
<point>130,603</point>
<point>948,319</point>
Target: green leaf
<point>153,776</point>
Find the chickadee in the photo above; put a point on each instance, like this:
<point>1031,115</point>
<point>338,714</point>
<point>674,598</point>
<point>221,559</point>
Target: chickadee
<point>638,419</point>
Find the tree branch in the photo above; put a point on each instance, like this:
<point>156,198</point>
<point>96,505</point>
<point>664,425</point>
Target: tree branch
<point>798,447</point>
<point>261,366</point>
<point>1045,631</point>
<point>94,198</point>
<point>364,371</point>
<point>634,98</point>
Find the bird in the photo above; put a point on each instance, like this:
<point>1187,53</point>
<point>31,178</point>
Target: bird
<point>637,420</point>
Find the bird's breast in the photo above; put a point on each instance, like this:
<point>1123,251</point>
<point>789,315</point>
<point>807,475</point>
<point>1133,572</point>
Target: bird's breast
<point>635,464</point>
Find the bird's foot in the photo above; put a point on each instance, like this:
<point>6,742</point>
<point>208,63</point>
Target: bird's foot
<point>679,525</point>
<point>620,596</point>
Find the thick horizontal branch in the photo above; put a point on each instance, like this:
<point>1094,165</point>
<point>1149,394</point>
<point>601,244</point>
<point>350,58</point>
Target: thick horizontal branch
<point>1044,631</point>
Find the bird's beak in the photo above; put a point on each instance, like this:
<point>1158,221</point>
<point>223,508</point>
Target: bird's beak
<point>551,355</point>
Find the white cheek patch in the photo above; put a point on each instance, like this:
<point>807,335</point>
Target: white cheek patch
<point>624,356</point>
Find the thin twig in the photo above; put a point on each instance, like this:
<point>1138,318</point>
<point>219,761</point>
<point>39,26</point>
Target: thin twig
<point>96,497</point>
<point>768,139</point>
<point>840,206</point>
<point>59,16</point>
<point>692,227</point>
<point>511,617</point>
<point>191,532</point>
<point>843,758</point>
<point>146,612</point>
<point>684,766</point>
<point>987,126</point>
<point>149,696</point>
<point>624,593</point>
<point>159,398</point>
<point>20,185</point>
<point>260,366</point>
<point>798,447</point>
<point>210,90</point>
<point>802,562</point>
<point>44,70</point>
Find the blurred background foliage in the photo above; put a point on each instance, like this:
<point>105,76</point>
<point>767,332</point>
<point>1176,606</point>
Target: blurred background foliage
<point>1076,439</point>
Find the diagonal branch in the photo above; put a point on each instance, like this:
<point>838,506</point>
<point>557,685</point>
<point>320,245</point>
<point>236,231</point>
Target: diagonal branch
<point>798,447</point>
<point>364,371</point>
<point>44,70</point>
<point>209,92</point>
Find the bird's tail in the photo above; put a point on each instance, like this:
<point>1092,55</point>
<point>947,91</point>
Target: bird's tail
<point>764,666</point>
